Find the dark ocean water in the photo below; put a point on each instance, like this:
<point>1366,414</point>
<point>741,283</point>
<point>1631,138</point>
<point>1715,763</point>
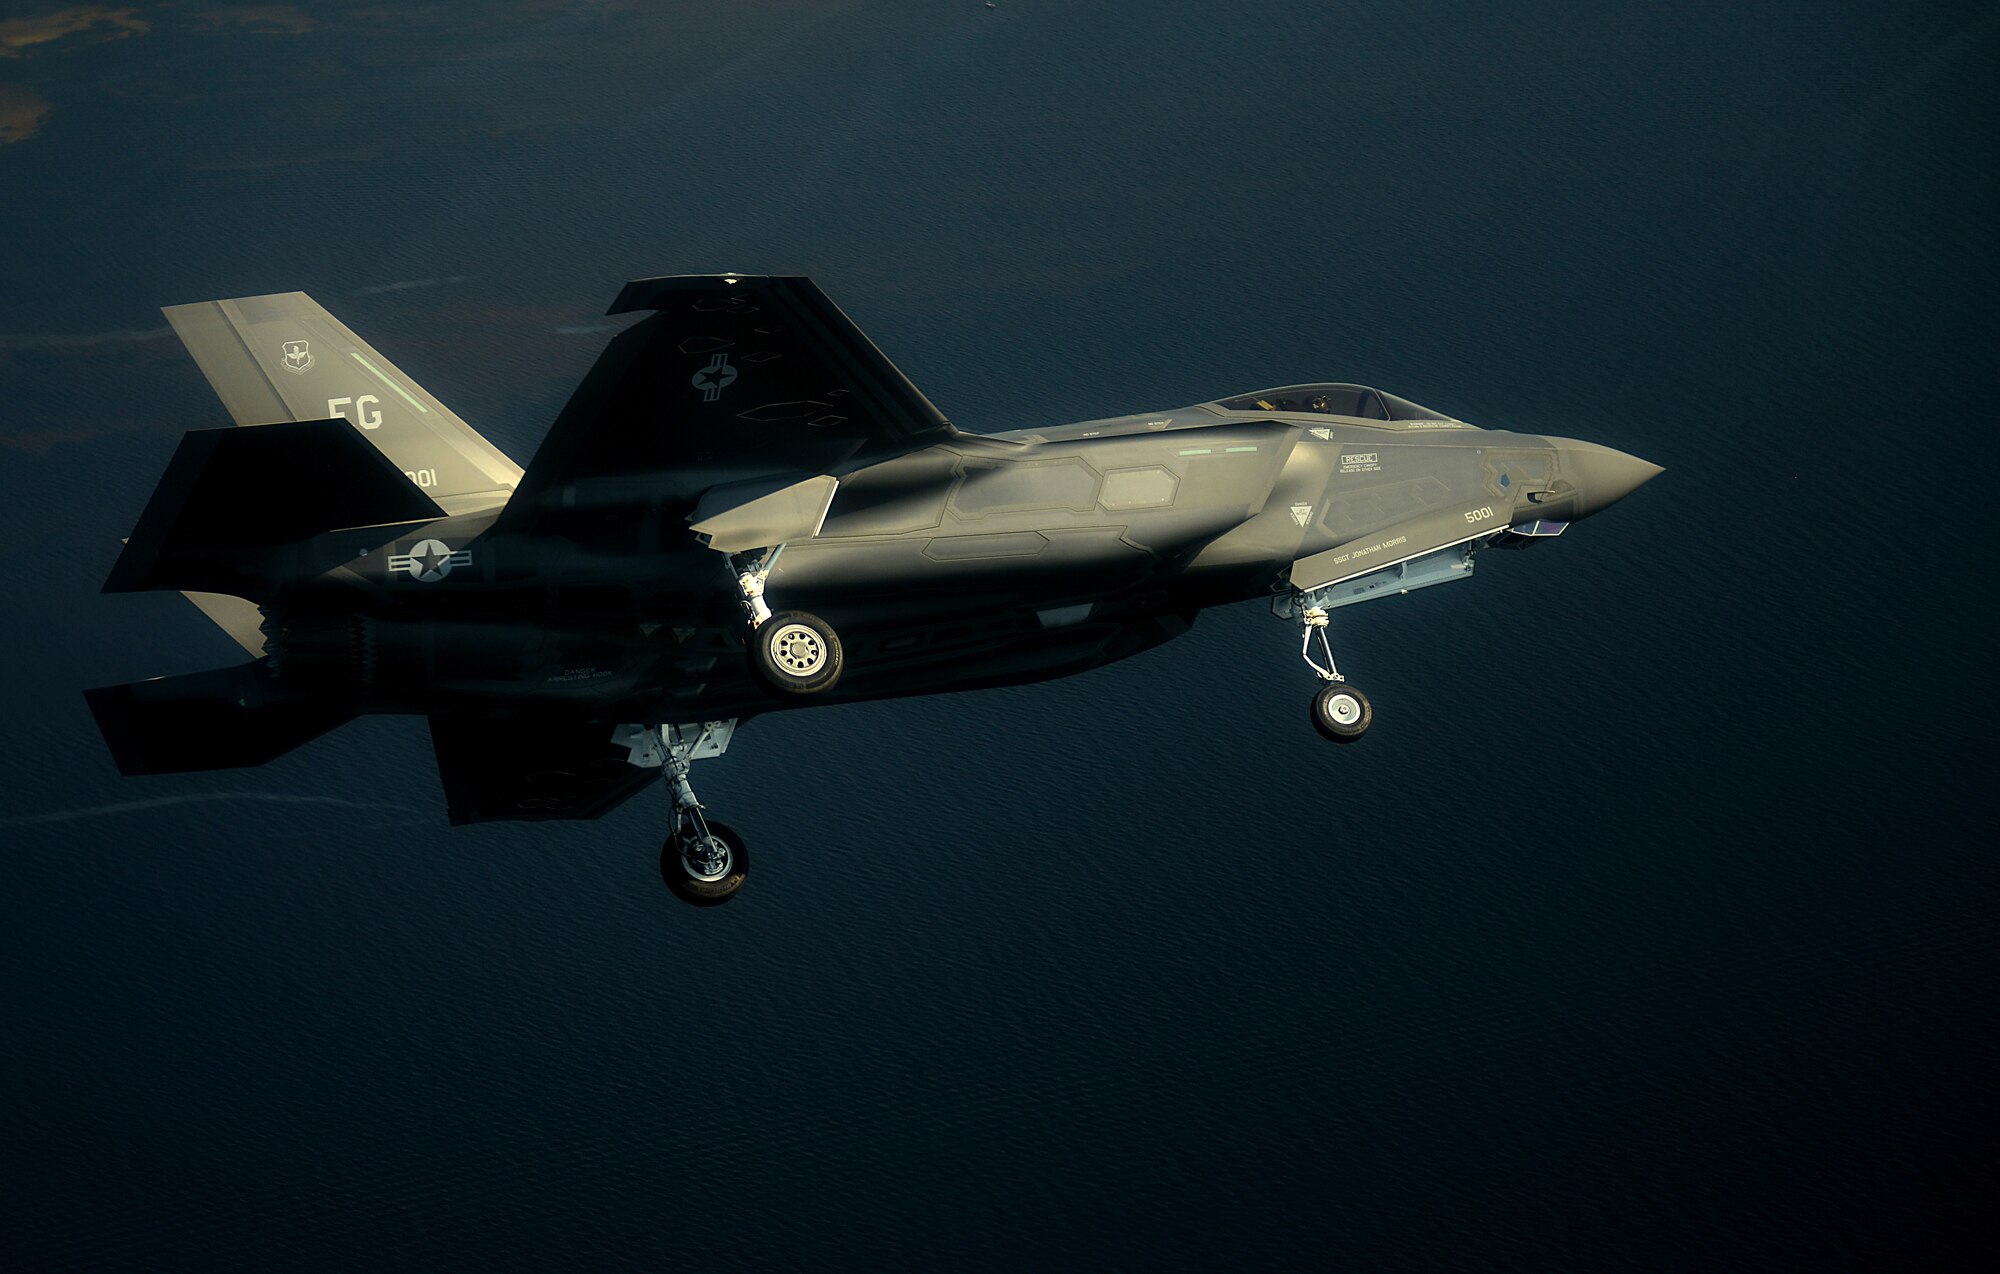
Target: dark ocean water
<point>1651,926</point>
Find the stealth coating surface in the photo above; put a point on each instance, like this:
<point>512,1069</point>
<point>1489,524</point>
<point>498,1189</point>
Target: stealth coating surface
<point>748,413</point>
<point>283,357</point>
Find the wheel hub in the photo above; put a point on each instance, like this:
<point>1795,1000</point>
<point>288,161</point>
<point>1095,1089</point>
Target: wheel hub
<point>797,650</point>
<point>1343,708</point>
<point>707,857</point>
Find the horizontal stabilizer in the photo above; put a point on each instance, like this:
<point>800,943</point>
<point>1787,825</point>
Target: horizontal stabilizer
<point>216,720</point>
<point>498,768</point>
<point>231,495</point>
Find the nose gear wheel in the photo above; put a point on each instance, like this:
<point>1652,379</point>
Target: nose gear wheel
<point>1340,712</point>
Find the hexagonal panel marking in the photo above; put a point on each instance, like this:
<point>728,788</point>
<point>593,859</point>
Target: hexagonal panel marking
<point>967,548</point>
<point>1146,487</point>
<point>988,487</point>
<point>784,411</point>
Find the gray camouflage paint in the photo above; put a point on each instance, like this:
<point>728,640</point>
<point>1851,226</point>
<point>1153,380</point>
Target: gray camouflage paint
<point>944,560</point>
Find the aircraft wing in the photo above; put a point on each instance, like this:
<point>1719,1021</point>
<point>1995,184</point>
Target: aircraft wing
<point>496,768</point>
<point>283,357</point>
<point>733,379</point>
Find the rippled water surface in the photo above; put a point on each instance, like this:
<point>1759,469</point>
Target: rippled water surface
<point>1647,927</point>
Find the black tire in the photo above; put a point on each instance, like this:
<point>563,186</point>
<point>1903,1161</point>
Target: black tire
<point>1341,713</point>
<point>796,653</point>
<point>699,888</point>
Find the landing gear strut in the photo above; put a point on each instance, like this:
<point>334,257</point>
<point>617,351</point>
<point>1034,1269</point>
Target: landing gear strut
<point>1340,712</point>
<point>794,652</point>
<point>704,862</point>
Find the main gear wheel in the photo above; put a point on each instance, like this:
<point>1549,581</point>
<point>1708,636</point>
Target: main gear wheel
<point>796,653</point>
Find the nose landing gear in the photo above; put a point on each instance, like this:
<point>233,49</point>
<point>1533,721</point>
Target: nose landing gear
<point>1340,712</point>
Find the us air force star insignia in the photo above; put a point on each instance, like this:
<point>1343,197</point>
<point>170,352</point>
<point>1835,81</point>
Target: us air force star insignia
<point>429,561</point>
<point>714,378</point>
<point>298,357</point>
<point>1301,512</point>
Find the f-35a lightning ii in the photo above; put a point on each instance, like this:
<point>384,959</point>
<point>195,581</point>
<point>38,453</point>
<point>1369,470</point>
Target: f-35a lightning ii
<point>746,507</point>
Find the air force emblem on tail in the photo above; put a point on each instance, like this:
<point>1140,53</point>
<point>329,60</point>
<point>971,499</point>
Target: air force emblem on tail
<point>429,561</point>
<point>298,357</point>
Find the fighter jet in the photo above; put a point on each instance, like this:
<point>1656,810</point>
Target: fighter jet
<point>746,508</point>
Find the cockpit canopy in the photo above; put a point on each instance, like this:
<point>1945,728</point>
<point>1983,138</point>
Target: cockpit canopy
<point>1333,400</point>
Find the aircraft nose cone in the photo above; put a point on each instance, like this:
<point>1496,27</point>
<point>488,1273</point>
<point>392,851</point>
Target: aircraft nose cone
<point>1603,475</point>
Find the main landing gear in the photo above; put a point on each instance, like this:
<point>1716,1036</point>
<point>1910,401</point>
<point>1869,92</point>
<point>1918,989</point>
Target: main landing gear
<point>1340,712</point>
<point>704,862</point>
<point>793,652</point>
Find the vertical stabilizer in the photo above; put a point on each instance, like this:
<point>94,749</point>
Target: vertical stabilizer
<point>283,357</point>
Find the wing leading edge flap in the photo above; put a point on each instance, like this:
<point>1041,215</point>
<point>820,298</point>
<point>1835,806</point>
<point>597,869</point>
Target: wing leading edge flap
<point>750,515</point>
<point>733,378</point>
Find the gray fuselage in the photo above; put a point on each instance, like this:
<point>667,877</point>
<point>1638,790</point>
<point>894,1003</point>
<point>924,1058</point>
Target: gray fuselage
<point>977,561</point>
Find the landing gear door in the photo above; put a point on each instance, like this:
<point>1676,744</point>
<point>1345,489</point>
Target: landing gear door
<point>1457,523</point>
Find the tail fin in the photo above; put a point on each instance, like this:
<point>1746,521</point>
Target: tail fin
<point>232,497</point>
<point>215,720</point>
<point>283,357</point>
<point>734,378</point>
